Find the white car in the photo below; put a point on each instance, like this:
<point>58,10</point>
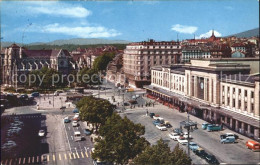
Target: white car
<point>174,136</point>
<point>8,144</point>
<point>159,118</point>
<point>161,127</point>
<point>41,133</point>
<point>185,135</point>
<point>76,115</point>
<point>182,140</point>
<point>74,124</point>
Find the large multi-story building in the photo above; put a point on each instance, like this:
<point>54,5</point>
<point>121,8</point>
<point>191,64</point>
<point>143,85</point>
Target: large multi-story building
<point>139,57</point>
<point>221,91</point>
<point>19,60</point>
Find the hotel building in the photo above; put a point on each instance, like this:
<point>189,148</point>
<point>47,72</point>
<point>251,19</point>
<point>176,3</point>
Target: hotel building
<point>139,57</point>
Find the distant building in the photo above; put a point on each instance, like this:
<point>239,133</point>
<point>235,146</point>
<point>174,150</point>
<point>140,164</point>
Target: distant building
<point>194,52</point>
<point>139,57</point>
<point>19,60</point>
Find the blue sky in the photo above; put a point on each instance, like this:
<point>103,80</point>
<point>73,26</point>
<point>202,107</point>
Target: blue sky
<point>29,21</point>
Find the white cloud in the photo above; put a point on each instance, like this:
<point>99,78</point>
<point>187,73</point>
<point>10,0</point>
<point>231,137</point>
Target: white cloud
<point>151,2</point>
<point>78,31</point>
<point>184,29</point>
<point>56,8</point>
<point>209,33</point>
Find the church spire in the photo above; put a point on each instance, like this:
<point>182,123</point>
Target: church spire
<point>213,32</point>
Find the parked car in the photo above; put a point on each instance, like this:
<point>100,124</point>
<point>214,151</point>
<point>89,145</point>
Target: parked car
<point>193,146</point>
<point>156,122</point>
<point>177,130</point>
<point>228,134</point>
<point>151,115</point>
<point>74,124</point>
<point>9,144</point>
<point>185,135</point>
<point>161,127</point>
<point>200,152</point>
<point>182,140</point>
<point>87,132</point>
<point>174,136</point>
<point>62,107</point>
<point>35,94</point>
<point>211,159</point>
<point>213,127</point>
<point>204,125</point>
<point>167,124</point>
<point>254,146</point>
<point>228,139</point>
<point>76,115</point>
<point>66,120</point>
<point>155,117</point>
<point>41,133</point>
<point>76,110</point>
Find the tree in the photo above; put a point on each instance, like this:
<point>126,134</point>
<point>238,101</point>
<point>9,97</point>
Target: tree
<point>160,154</point>
<point>95,110</point>
<point>101,62</point>
<point>88,77</point>
<point>47,76</point>
<point>120,140</point>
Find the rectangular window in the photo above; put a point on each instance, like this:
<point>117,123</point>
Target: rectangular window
<point>245,93</point>
<point>252,96</point>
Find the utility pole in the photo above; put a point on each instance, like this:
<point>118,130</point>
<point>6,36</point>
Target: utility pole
<point>188,129</point>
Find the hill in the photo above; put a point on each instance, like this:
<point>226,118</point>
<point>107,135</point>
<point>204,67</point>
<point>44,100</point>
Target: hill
<point>248,33</point>
<point>74,41</point>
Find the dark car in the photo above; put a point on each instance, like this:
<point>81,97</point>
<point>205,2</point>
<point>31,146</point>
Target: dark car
<point>76,110</point>
<point>35,94</point>
<point>200,152</point>
<point>87,132</point>
<point>168,125</point>
<point>24,96</point>
<point>177,130</point>
<point>211,159</point>
<point>151,115</point>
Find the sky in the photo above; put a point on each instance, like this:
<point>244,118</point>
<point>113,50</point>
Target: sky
<point>45,21</point>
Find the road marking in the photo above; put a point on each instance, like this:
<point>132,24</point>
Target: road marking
<point>69,128</point>
<point>19,160</point>
<point>10,161</point>
<point>86,154</point>
<point>67,136</point>
<point>59,157</point>
<point>74,156</point>
<point>71,137</point>
<point>23,160</point>
<point>82,154</point>
<point>53,156</point>
<point>85,148</point>
<point>37,159</point>
<point>77,154</point>
<point>48,157</point>
<point>65,156</point>
<point>70,155</point>
<point>33,159</point>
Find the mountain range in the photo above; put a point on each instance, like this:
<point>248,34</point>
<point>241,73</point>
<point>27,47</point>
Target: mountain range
<point>74,41</point>
<point>95,41</point>
<point>248,33</point>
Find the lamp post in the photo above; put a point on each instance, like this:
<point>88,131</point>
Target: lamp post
<point>188,125</point>
<point>53,97</point>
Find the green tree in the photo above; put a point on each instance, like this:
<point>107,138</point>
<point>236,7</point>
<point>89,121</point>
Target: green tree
<point>95,110</point>
<point>101,62</point>
<point>120,140</point>
<point>88,77</point>
<point>160,154</point>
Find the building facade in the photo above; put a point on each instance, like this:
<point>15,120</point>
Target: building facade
<point>216,90</point>
<point>19,60</point>
<point>139,57</point>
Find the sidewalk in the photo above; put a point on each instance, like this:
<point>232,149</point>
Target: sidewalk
<point>53,102</point>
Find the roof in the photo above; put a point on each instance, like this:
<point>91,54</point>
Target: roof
<point>44,53</point>
<point>239,79</point>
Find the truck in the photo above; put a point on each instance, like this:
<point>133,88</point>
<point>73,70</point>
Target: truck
<point>213,127</point>
<point>254,146</point>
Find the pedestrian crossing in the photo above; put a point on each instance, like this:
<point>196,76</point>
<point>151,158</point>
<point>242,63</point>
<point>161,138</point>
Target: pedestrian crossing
<point>51,157</point>
<point>23,116</point>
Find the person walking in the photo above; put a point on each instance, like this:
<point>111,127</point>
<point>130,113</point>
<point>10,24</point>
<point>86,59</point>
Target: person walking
<point>147,112</point>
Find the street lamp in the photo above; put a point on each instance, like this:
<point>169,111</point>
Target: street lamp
<point>189,125</point>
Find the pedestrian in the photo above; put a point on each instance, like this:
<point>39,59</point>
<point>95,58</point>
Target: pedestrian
<point>147,112</point>
<point>49,101</point>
